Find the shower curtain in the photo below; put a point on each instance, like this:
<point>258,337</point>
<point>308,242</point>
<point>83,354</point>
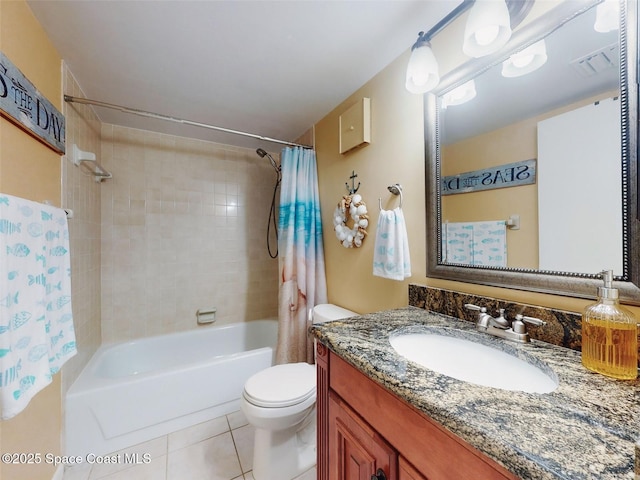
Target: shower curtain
<point>301,264</point>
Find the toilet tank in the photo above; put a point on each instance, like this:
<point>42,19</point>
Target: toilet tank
<point>326,312</point>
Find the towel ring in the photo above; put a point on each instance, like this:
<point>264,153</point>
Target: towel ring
<point>396,189</point>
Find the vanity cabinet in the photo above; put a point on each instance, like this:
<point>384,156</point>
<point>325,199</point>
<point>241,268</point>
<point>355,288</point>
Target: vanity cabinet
<point>406,471</point>
<point>362,427</point>
<point>355,449</point>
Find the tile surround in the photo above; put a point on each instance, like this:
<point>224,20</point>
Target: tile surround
<point>183,228</point>
<point>82,195</point>
<point>180,226</point>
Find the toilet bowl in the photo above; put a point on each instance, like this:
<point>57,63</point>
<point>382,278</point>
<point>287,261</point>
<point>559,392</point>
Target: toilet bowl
<point>280,402</point>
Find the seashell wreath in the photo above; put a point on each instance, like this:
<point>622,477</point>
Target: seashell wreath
<point>351,237</point>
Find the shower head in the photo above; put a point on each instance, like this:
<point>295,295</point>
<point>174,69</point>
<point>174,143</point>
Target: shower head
<point>263,153</point>
<point>272,212</point>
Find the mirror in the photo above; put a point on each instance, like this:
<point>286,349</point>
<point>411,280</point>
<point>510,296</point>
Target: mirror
<point>521,149</point>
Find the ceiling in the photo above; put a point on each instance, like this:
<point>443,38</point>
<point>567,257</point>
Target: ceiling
<point>272,68</point>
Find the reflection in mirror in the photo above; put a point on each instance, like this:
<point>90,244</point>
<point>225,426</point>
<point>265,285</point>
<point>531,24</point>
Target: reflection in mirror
<point>551,148</point>
<point>563,117</point>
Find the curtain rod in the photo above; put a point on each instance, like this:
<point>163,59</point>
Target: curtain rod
<point>142,113</point>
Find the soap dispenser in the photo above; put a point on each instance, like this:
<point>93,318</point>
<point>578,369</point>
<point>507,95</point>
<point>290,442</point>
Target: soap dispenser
<point>610,335</point>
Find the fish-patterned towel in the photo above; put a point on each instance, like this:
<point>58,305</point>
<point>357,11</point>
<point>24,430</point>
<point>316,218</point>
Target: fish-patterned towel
<point>391,258</point>
<point>36,322</point>
<point>475,243</point>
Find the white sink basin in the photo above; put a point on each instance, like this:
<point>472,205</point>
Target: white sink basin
<point>472,362</point>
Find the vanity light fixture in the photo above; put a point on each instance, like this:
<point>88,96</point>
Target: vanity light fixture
<point>422,71</point>
<point>488,28</point>
<point>460,95</point>
<point>607,16</point>
<point>525,61</point>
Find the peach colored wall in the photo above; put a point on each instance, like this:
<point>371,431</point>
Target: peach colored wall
<point>395,155</point>
<point>30,170</point>
<point>183,228</point>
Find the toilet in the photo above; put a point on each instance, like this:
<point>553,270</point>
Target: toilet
<point>280,402</point>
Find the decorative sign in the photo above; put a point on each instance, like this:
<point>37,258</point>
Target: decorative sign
<point>508,175</point>
<point>21,103</point>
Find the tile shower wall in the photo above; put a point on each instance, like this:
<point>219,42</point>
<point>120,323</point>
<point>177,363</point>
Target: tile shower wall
<point>81,194</point>
<point>183,228</point>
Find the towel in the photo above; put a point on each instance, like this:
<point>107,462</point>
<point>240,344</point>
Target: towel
<point>391,249</point>
<point>475,243</point>
<point>457,243</point>
<point>36,322</point>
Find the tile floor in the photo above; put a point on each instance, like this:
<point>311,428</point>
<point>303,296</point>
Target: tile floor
<point>220,449</point>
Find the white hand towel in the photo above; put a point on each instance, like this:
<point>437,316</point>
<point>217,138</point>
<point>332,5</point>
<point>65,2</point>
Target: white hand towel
<point>36,323</point>
<point>391,257</point>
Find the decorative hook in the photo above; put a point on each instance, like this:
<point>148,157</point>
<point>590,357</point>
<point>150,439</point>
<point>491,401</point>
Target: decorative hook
<point>353,188</point>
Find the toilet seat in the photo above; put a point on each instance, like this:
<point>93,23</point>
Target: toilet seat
<point>281,386</point>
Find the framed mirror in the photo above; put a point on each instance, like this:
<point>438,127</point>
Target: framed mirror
<point>545,162</point>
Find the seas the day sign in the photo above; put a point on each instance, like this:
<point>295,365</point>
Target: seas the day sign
<point>22,103</point>
<point>502,176</point>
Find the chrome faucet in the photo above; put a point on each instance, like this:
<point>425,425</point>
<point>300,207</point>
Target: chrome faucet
<point>502,327</point>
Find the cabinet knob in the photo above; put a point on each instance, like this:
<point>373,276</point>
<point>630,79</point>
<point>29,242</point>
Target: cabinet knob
<point>379,475</point>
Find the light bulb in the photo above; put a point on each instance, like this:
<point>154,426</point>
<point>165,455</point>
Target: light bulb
<point>422,71</point>
<point>485,36</point>
<point>521,61</point>
<point>525,61</point>
<point>488,28</point>
<point>460,95</point>
<point>607,16</point>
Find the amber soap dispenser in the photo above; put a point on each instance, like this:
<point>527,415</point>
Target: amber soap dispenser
<point>610,335</point>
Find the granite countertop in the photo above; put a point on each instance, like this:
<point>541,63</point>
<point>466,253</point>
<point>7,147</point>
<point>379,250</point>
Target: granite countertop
<point>586,429</point>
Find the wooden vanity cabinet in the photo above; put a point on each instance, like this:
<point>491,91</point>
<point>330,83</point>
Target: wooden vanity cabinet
<point>406,471</point>
<point>356,451</point>
<point>362,428</point>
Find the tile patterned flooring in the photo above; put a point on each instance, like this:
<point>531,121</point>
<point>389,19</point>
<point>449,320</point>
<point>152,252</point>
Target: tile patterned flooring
<point>220,449</point>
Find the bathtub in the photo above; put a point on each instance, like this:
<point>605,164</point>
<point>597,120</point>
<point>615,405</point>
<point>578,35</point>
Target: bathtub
<point>134,391</point>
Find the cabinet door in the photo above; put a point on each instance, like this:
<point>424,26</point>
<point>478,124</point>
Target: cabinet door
<point>356,451</point>
<point>408,472</point>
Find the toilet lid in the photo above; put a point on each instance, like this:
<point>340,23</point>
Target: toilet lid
<point>282,385</point>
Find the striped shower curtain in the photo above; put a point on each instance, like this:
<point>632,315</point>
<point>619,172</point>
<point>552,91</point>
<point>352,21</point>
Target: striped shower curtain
<point>301,264</point>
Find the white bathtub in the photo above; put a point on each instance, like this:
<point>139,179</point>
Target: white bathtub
<point>135,391</point>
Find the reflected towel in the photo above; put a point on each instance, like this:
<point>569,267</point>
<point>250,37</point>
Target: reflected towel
<point>36,323</point>
<point>475,243</point>
<point>391,257</point>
